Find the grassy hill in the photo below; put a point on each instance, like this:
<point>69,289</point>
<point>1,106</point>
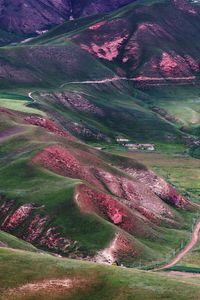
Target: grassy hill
<point>78,51</point>
<point>58,195</point>
<point>10,241</point>
<point>68,187</point>
<point>42,276</point>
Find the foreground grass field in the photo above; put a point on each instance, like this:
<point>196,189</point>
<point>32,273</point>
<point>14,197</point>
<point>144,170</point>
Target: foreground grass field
<point>85,280</point>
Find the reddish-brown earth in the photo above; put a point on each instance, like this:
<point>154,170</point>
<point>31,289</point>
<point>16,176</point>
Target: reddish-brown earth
<point>26,222</point>
<point>132,199</point>
<point>74,101</point>
<point>34,17</point>
<point>143,193</point>
<point>15,220</point>
<point>120,246</point>
<point>6,111</point>
<point>49,125</point>
<point>160,187</point>
<point>113,210</point>
<point>63,162</point>
<point>144,44</point>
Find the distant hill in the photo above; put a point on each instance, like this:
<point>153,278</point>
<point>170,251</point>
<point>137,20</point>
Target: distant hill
<point>29,16</point>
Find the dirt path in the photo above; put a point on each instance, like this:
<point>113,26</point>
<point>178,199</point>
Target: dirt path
<point>113,79</point>
<point>44,288</point>
<point>31,97</point>
<point>107,255</point>
<point>160,81</point>
<point>192,243</point>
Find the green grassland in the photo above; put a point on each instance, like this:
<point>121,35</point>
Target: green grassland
<point>48,64</point>
<point>191,261</point>
<point>20,105</point>
<point>124,113</point>
<point>11,241</point>
<point>45,64</point>
<point>98,281</point>
<point>26,183</point>
<point>181,103</point>
<point>120,101</point>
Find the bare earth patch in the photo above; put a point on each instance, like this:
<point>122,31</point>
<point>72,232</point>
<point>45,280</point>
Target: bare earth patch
<point>43,288</point>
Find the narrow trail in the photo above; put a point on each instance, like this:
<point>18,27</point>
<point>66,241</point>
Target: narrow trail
<point>192,243</point>
<point>113,79</point>
<point>160,81</point>
<point>31,97</point>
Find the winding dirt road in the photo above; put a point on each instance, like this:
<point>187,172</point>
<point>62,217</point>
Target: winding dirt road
<point>113,79</point>
<point>137,79</point>
<point>31,97</point>
<point>192,243</point>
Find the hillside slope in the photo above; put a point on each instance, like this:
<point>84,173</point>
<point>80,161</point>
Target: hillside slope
<point>147,43</point>
<point>53,278</point>
<point>154,47</point>
<point>66,197</point>
<point>31,17</point>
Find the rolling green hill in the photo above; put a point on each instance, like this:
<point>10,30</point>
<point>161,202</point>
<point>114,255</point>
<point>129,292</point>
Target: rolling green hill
<point>34,276</point>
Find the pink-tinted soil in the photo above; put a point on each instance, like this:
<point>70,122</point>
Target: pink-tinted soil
<point>111,209</point>
<point>49,125</point>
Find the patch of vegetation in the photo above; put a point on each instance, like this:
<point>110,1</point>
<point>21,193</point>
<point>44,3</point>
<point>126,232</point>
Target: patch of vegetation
<point>15,243</point>
<point>98,281</point>
<point>20,105</point>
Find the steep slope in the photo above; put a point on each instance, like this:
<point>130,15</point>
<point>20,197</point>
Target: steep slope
<point>149,44</point>
<point>84,204</point>
<point>149,51</point>
<point>76,82</point>
<point>33,17</point>
<point>9,241</point>
<point>146,43</point>
<point>153,47</point>
<point>92,113</point>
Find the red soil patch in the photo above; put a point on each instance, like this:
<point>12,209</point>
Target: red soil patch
<point>160,187</point>
<point>137,196</point>
<point>119,246</point>
<point>168,64</point>
<point>35,228</point>
<point>108,50</point>
<point>59,160</point>
<point>133,197</point>
<point>13,221</point>
<point>49,125</point>
<point>174,65</point>
<point>111,209</point>
<point>97,25</point>
<point>7,111</point>
<point>90,200</point>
